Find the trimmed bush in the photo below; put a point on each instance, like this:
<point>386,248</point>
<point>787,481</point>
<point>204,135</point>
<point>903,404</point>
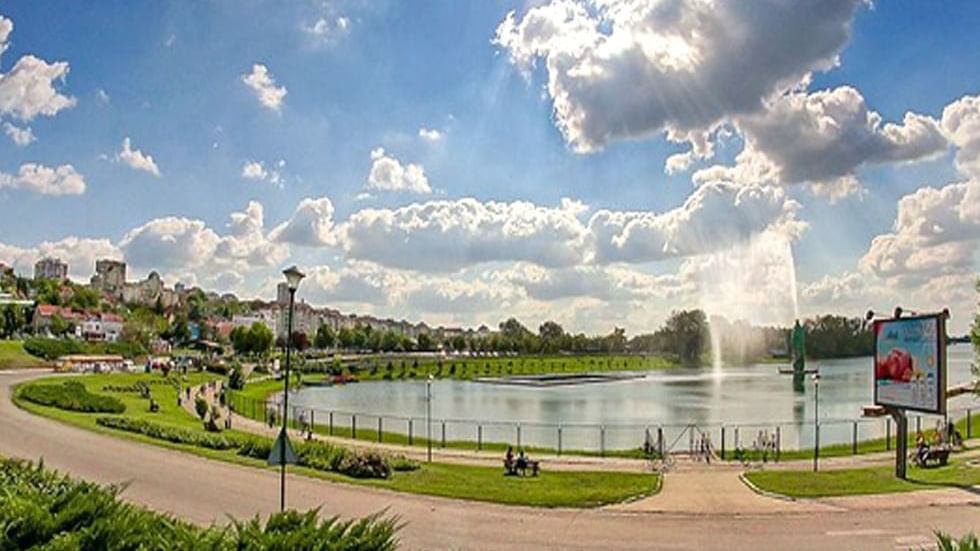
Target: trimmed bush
<point>170,434</point>
<point>41,509</point>
<point>71,396</point>
<point>52,349</point>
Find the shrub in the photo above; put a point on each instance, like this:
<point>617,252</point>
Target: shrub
<point>51,349</point>
<point>71,396</point>
<point>236,380</point>
<point>41,509</point>
<point>400,463</point>
<point>175,435</point>
<point>200,407</point>
<point>364,465</point>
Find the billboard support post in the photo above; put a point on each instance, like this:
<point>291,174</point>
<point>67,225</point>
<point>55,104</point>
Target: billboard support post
<point>901,441</point>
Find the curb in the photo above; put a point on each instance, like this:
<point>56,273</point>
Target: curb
<point>766,493</point>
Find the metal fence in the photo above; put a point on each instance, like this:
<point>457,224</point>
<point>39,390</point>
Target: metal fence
<point>836,436</point>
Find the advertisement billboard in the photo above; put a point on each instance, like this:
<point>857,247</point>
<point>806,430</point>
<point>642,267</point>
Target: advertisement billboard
<point>910,363</point>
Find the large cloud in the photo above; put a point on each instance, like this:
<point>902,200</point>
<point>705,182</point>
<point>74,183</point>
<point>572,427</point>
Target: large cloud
<point>62,180</point>
<point>823,138</point>
<point>450,235</point>
<point>311,225</point>
<point>170,243</point>
<point>636,68</point>
<point>715,217</point>
<point>28,89</point>
<point>80,253</point>
<point>936,232</point>
<point>248,245</point>
<point>961,121</point>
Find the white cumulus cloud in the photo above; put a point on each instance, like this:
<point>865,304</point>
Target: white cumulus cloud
<point>136,159</point>
<point>262,83</point>
<point>22,137</point>
<point>389,174</point>
<point>635,68</point>
<point>61,180</point>
<point>311,224</point>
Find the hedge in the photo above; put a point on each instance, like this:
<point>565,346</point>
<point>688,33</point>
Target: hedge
<point>71,396</point>
<point>175,435</point>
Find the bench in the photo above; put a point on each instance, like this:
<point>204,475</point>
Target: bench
<point>939,456</point>
<point>513,468</point>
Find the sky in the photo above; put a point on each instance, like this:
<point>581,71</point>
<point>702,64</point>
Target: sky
<point>597,162</point>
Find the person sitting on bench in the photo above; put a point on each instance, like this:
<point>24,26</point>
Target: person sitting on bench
<point>509,463</point>
<point>522,462</point>
<point>921,448</point>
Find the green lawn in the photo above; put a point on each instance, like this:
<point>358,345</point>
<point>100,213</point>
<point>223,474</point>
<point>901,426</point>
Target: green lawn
<point>550,489</point>
<point>13,356</point>
<point>868,480</point>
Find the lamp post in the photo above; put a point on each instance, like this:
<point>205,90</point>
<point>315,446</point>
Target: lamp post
<point>816,420</point>
<point>428,415</point>
<point>293,277</point>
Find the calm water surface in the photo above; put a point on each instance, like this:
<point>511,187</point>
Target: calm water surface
<point>753,398</point>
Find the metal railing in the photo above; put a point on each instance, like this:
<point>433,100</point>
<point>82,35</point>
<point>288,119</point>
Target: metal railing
<point>778,440</point>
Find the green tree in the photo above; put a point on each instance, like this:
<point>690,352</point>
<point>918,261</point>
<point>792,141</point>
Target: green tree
<point>390,341</point>
<point>261,338</point>
<point>325,337</point>
<point>60,326</point>
<point>686,334</point>
<point>345,338</point>
<point>424,342</point>
<point>84,298</point>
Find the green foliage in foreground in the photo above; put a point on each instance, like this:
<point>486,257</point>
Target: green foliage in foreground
<point>71,396</point>
<point>968,542</point>
<point>40,509</point>
<point>867,480</point>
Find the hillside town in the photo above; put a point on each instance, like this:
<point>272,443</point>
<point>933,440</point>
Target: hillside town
<point>101,310</point>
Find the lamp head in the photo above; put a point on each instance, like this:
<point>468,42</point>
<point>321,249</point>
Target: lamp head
<point>293,277</point>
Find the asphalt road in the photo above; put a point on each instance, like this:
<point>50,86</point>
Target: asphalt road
<point>206,491</point>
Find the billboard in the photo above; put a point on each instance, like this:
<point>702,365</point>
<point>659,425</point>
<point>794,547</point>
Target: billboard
<point>910,363</point>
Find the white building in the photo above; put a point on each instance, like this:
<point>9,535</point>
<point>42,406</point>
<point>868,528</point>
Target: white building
<point>50,268</point>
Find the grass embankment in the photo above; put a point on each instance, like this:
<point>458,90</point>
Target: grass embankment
<point>13,356</point>
<point>868,480</point>
<point>250,402</point>
<point>384,368</point>
<point>550,489</point>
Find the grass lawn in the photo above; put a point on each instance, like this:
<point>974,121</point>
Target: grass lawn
<point>868,480</point>
<point>13,356</point>
<point>550,489</point>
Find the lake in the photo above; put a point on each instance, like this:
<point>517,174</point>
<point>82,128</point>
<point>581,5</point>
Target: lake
<point>752,398</point>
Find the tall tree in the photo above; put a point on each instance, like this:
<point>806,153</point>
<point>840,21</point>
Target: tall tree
<point>325,337</point>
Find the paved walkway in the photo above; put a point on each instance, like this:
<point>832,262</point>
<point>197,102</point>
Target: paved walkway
<point>689,487</point>
<point>205,491</point>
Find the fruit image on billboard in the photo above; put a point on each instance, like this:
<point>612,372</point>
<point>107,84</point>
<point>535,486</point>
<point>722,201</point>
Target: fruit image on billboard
<point>910,363</point>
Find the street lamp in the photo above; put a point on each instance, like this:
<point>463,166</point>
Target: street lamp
<point>428,415</point>
<point>816,420</point>
<point>293,277</point>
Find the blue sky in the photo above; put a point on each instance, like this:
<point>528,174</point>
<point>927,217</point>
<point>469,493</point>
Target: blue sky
<point>172,73</point>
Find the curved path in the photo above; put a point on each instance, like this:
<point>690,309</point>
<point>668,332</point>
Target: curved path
<point>207,491</point>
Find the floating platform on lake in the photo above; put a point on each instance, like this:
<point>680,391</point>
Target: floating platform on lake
<point>559,379</point>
